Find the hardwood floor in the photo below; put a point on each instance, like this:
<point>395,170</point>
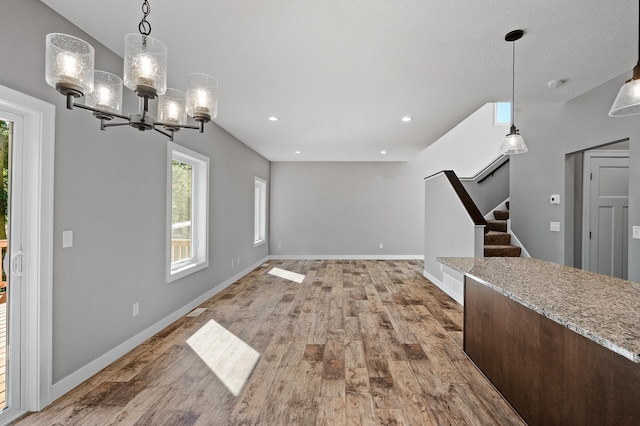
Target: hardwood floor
<point>358,342</point>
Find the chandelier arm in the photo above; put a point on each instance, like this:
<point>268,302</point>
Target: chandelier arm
<point>111,114</point>
<point>167,134</point>
<point>115,124</point>
<point>179,126</point>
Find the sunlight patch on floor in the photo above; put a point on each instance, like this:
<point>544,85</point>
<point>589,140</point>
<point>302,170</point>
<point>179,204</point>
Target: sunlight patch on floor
<point>287,275</point>
<point>231,359</point>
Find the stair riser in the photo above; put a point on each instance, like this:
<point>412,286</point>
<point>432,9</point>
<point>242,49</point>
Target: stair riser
<point>502,239</point>
<point>500,226</point>
<point>509,251</point>
<point>501,214</point>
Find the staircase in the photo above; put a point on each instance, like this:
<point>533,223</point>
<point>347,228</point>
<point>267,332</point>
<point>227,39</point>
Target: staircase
<point>497,241</point>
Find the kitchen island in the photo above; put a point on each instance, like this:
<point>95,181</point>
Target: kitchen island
<point>561,344</point>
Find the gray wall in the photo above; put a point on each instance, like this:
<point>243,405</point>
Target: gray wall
<point>110,190</point>
<point>551,132</point>
<point>346,209</point>
<point>491,192</point>
<point>449,231</point>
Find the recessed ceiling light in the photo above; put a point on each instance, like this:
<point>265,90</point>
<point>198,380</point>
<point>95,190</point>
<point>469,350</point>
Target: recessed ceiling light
<point>406,118</point>
<point>273,118</point>
<point>383,152</point>
<point>553,84</point>
<point>298,152</point>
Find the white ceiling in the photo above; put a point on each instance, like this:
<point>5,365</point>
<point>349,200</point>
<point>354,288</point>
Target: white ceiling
<point>340,74</point>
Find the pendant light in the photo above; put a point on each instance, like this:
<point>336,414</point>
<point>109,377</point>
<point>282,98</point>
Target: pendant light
<point>628,100</point>
<point>513,143</point>
<point>69,69</point>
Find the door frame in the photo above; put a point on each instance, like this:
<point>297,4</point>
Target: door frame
<point>586,197</point>
<point>37,214</point>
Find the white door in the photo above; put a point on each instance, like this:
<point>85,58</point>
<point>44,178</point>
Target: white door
<point>607,212</point>
<point>12,266</point>
<point>29,264</point>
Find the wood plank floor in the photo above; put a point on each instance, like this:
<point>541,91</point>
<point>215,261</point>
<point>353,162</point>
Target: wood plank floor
<point>357,343</point>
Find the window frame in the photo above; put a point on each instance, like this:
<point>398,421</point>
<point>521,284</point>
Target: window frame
<point>199,212</point>
<point>260,212</point>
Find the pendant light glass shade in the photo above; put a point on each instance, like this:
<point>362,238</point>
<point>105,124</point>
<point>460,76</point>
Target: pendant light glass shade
<point>628,100</point>
<point>107,93</point>
<point>513,143</point>
<point>69,64</point>
<point>145,65</point>
<point>172,108</point>
<point>202,96</point>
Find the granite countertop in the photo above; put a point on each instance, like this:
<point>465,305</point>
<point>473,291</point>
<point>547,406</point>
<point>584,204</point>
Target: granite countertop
<point>601,308</point>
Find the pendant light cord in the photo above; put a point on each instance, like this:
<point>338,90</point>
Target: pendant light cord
<point>513,84</point>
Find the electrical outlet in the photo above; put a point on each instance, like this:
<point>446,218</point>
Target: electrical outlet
<point>381,245</point>
<point>136,309</point>
<point>636,232</point>
<point>554,226</point>
<point>555,199</point>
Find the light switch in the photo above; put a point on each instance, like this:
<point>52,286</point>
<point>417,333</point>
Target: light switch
<point>636,232</point>
<point>67,239</point>
<point>554,226</point>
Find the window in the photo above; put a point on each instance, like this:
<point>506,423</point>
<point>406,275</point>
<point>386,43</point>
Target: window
<point>260,212</point>
<point>502,113</point>
<point>187,212</point>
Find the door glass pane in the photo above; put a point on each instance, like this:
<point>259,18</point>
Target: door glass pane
<point>5,139</point>
<point>181,220</point>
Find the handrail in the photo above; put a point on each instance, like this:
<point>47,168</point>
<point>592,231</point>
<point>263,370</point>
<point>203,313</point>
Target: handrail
<point>489,169</point>
<point>493,171</point>
<point>465,198</point>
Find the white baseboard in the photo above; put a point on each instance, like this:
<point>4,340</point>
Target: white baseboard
<point>458,297</point>
<point>346,257</point>
<point>74,379</point>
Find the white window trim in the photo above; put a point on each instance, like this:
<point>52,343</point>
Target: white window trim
<point>263,213</point>
<point>200,212</point>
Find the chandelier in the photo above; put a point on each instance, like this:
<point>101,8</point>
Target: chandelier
<point>69,69</point>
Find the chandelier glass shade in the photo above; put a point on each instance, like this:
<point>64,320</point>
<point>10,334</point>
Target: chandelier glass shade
<point>107,93</point>
<point>69,68</point>
<point>172,109</point>
<point>145,65</point>
<point>69,64</point>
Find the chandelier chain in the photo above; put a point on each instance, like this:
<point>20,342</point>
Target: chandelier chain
<point>144,26</point>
